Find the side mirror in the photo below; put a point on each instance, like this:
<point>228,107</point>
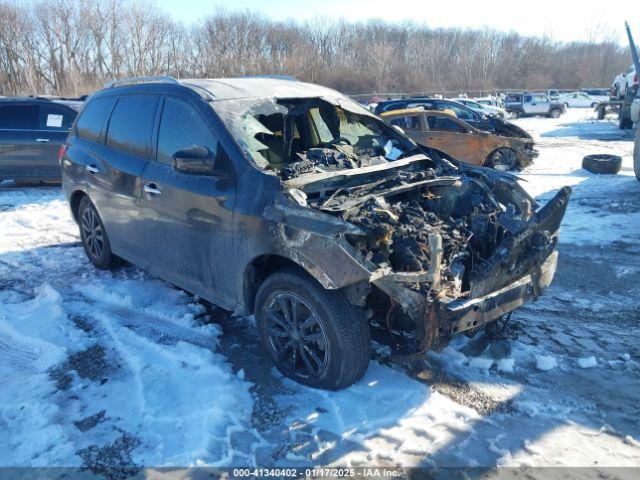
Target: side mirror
<point>197,160</point>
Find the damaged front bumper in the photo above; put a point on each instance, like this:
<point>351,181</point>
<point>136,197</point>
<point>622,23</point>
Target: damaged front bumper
<point>464,315</point>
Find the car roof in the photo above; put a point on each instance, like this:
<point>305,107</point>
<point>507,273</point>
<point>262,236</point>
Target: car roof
<point>407,111</point>
<point>74,104</point>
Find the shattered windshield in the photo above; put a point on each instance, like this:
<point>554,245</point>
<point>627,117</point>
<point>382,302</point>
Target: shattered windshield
<point>299,136</point>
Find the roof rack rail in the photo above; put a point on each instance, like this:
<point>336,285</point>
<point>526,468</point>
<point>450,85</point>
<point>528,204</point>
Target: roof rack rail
<point>138,80</point>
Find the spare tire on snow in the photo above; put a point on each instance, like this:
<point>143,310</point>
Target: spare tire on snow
<point>602,163</point>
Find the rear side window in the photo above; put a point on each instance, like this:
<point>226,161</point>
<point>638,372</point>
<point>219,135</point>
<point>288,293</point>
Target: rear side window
<point>411,122</point>
<point>181,127</point>
<point>18,117</point>
<point>54,117</point>
<point>444,124</point>
<point>92,118</point>
<point>131,124</point>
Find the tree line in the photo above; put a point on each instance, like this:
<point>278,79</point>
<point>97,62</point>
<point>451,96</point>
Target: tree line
<point>71,47</point>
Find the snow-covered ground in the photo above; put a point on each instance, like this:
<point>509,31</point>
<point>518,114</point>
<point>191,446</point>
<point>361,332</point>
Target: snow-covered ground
<point>121,369</point>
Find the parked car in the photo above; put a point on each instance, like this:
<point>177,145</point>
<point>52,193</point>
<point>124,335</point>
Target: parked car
<point>532,104</point>
<point>553,94</point>
<point>478,120</point>
<point>578,99</point>
<point>489,101</point>
<point>627,81</point>
<point>598,94</point>
<point>462,141</point>
<point>489,110</point>
<point>293,202</point>
<point>32,129</point>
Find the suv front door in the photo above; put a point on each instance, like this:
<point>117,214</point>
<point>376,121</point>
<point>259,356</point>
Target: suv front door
<point>188,218</point>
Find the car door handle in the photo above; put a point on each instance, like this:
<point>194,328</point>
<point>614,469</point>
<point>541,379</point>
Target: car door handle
<point>91,169</point>
<point>152,189</point>
<point>42,140</point>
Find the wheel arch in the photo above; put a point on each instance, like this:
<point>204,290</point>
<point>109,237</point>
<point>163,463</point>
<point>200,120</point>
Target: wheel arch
<point>258,269</point>
<point>74,202</point>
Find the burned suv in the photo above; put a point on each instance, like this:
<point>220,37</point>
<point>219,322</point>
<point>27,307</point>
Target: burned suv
<point>292,202</point>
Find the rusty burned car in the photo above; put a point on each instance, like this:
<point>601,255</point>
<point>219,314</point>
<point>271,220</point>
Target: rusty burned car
<point>292,202</point>
<point>455,137</point>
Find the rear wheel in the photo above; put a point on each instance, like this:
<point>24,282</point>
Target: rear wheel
<point>313,336</point>
<point>94,237</point>
<point>503,159</point>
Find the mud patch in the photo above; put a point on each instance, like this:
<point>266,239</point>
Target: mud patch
<point>112,461</point>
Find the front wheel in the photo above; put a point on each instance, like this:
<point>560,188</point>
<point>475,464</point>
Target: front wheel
<point>555,113</point>
<point>94,236</point>
<point>503,159</point>
<point>514,114</point>
<point>313,336</point>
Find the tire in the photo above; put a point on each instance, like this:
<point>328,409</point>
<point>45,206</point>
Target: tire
<point>514,114</point>
<point>555,113</point>
<point>602,111</point>
<point>624,123</point>
<point>594,104</point>
<point>636,154</point>
<point>94,236</point>
<point>332,351</point>
<point>502,159</point>
<point>604,163</point>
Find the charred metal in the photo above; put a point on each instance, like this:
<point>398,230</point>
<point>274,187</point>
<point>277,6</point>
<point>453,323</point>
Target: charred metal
<point>428,246</point>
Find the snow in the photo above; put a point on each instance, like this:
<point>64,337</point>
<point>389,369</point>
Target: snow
<point>125,368</point>
<point>588,362</point>
<point>546,362</point>
<point>86,342</point>
<point>506,365</point>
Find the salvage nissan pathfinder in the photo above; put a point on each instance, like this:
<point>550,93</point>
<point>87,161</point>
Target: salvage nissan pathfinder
<point>292,202</point>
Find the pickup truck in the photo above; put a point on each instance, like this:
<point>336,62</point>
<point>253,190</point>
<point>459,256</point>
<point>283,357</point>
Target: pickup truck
<point>532,104</point>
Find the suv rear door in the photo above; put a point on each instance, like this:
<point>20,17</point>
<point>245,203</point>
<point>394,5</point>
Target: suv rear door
<point>188,218</point>
<point>451,136</point>
<point>54,122</point>
<point>114,167</point>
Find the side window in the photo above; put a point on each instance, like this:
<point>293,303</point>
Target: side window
<point>54,117</point>
<point>18,117</point>
<point>444,124</point>
<point>92,118</point>
<point>131,124</point>
<point>411,122</point>
<point>181,126</point>
<point>527,98</point>
<point>460,112</point>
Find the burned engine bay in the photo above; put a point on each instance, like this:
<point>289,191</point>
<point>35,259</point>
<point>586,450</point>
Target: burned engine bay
<point>443,232</point>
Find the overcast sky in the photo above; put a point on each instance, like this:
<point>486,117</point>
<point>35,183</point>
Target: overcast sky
<point>559,19</point>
